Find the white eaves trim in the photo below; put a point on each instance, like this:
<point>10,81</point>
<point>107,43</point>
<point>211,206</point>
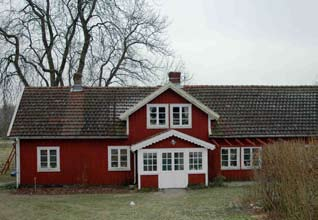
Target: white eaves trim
<point>168,134</point>
<point>177,90</point>
<point>15,113</point>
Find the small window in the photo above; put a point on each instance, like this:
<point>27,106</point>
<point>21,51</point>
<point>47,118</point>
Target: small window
<point>150,161</point>
<point>251,157</point>
<point>195,160</point>
<point>230,158</point>
<point>178,161</point>
<point>157,116</point>
<point>180,115</point>
<point>118,158</point>
<point>166,161</point>
<point>48,159</point>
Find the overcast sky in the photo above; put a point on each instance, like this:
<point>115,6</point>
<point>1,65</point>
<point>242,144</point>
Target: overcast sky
<point>272,42</point>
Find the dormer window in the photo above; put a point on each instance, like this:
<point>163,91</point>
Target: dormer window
<point>180,116</point>
<point>157,116</point>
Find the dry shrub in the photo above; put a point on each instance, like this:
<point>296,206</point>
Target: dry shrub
<point>288,180</point>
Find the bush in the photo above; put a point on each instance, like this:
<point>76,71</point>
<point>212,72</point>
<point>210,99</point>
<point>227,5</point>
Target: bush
<point>288,180</point>
<point>218,181</point>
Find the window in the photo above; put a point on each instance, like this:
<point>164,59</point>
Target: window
<point>150,161</point>
<point>251,157</point>
<point>178,161</point>
<point>157,116</point>
<point>166,161</point>
<point>118,158</point>
<point>180,115</point>
<point>48,159</point>
<point>195,160</point>
<point>230,158</point>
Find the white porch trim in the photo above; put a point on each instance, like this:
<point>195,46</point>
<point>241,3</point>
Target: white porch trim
<point>172,133</point>
<point>177,90</point>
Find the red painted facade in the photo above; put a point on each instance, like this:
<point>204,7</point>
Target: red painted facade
<point>196,179</point>
<point>149,181</point>
<point>86,161</point>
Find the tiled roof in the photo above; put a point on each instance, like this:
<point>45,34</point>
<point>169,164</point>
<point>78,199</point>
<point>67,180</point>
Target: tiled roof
<point>246,111</point>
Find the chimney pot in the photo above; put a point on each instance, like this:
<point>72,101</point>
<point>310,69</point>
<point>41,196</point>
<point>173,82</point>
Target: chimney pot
<point>175,77</point>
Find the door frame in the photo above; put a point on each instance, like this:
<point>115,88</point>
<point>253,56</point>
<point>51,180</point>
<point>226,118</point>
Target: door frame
<point>159,152</point>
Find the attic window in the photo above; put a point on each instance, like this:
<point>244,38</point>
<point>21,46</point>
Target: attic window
<point>180,115</point>
<point>157,116</point>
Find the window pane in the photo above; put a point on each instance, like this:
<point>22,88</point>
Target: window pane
<point>178,161</point>
<point>114,157</point>
<point>44,158</point>
<point>153,109</point>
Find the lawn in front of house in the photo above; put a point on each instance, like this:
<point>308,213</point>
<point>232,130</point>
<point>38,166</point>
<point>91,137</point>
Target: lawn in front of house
<point>210,203</point>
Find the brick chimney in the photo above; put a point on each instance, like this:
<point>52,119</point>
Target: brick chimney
<point>175,78</point>
<point>77,87</point>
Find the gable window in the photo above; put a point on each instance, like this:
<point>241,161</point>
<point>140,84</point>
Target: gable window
<point>230,158</point>
<point>180,116</point>
<point>157,116</point>
<point>251,157</point>
<point>48,159</point>
<point>150,161</point>
<point>195,160</point>
<point>118,158</point>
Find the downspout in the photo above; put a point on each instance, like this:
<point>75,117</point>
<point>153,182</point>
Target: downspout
<point>17,161</point>
<point>135,169</point>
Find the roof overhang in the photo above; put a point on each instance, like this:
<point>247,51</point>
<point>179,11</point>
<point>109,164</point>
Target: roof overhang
<point>213,115</point>
<point>172,133</point>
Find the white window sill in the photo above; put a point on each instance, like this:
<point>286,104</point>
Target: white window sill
<point>181,126</point>
<point>48,170</point>
<point>230,168</point>
<point>119,169</point>
<point>157,127</point>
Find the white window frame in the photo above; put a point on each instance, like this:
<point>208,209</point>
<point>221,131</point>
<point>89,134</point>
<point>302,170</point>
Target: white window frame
<point>157,162</point>
<point>150,126</point>
<point>238,153</point>
<point>48,169</point>
<point>194,164</point>
<point>251,167</point>
<point>180,116</point>
<point>119,168</point>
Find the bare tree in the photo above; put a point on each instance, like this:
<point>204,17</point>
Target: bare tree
<point>47,43</point>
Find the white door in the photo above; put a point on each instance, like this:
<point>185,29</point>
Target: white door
<point>173,174</point>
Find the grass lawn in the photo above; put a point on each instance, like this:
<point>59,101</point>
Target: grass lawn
<point>210,203</point>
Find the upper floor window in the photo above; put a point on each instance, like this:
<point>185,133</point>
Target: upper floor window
<point>118,158</point>
<point>48,159</point>
<point>251,157</point>
<point>180,116</point>
<point>157,116</point>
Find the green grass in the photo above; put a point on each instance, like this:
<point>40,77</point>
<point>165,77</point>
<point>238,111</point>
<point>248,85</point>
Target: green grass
<point>210,203</point>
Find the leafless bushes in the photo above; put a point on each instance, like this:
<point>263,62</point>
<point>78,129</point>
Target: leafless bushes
<point>288,181</point>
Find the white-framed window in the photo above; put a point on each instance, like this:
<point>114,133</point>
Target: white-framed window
<point>180,115</point>
<point>230,158</point>
<point>118,158</point>
<point>157,116</point>
<point>178,161</point>
<point>166,161</point>
<point>251,157</point>
<point>48,159</point>
<point>195,160</point>
<point>150,161</point>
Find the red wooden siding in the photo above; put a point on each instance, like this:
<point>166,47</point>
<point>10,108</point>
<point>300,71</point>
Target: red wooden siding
<point>81,162</point>
<point>149,181</point>
<point>194,179</point>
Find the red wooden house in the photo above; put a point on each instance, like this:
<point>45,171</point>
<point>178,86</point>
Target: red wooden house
<point>169,136</point>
